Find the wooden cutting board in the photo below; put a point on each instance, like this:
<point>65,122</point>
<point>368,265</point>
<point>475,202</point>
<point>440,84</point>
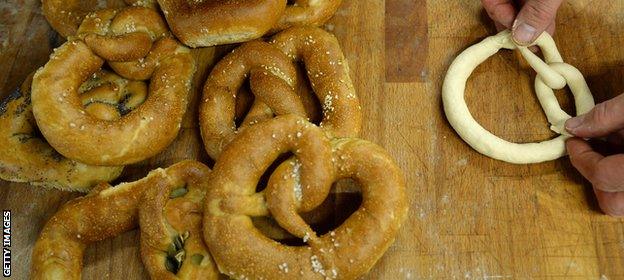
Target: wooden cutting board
<point>471,217</point>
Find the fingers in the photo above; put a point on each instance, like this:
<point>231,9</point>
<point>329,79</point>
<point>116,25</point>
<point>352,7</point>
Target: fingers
<point>611,203</point>
<point>583,157</point>
<point>605,173</point>
<point>533,19</point>
<point>602,120</point>
<point>502,12</point>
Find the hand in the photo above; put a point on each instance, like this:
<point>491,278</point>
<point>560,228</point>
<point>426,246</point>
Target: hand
<point>606,173</point>
<point>535,17</point>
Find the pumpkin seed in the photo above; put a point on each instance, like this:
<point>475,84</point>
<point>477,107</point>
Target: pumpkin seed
<point>180,256</point>
<point>197,259</point>
<point>172,265</point>
<point>171,250</point>
<point>178,242</point>
<point>179,192</point>
<point>185,236</point>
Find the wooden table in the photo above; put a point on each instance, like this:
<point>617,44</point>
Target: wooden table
<point>471,217</point>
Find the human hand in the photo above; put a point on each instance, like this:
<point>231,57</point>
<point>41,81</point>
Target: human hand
<point>534,17</point>
<point>606,173</point>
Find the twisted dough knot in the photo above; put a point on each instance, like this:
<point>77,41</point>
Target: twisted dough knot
<point>135,136</point>
<point>172,246</point>
<point>552,73</point>
<point>122,35</point>
<point>275,83</point>
<point>26,157</point>
<point>300,185</point>
<point>107,96</point>
<point>104,213</point>
<point>65,16</point>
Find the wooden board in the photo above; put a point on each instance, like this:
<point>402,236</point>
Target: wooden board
<point>471,217</point>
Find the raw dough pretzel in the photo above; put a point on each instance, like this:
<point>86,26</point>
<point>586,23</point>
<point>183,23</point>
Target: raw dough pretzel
<point>26,157</point>
<point>298,185</point>
<point>170,216</point>
<point>552,74</point>
<point>105,212</point>
<point>204,23</point>
<point>136,136</point>
<point>307,12</point>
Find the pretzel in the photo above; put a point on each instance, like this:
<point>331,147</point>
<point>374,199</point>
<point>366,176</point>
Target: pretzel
<point>66,15</point>
<point>135,136</point>
<point>328,72</point>
<point>275,82</point>
<point>108,96</point>
<point>26,157</point>
<point>307,12</point>
<point>298,185</point>
<point>171,238</point>
<point>105,212</point>
<point>206,23</point>
<point>552,73</point>
<point>272,80</point>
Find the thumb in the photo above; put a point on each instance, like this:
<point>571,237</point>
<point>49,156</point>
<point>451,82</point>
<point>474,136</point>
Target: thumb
<point>602,120</point>
<point>533,19</point>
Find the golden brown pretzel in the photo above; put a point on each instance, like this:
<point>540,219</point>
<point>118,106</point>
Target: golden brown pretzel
<point>328,72</point>
<point>205,23</point>
<point>275,83</point>
<point>347,252</point>
<point>105,212</point>
<point>108,96</point>
<point>26,157</point>
<point>138,135</point>
<point>66,15</point>
<point>272,79</point>
<point>170,216</point>
<point>122,34</point>
<point>307,12</point>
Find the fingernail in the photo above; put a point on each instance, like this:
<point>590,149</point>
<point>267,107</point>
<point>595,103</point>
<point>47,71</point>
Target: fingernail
<point>574,123</point>
<point>523,34</point>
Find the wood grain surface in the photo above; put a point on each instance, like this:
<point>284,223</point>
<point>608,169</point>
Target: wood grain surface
<point>471,217</point>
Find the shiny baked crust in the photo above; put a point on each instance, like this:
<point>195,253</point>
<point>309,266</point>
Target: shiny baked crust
<point>26,157</point>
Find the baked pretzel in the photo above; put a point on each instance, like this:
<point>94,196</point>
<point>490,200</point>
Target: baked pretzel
<point>122,35</point>
<point>26,157</point>
<point>105,212</point>
<point>275,82</point>
<point>135,136</point>
<point>204,23</point>
<point>107,96</point>
<point>307,12</point>
<point>298,185</point>
<point>66,15</point>
<point>272,79</point>
<point>171,238</point>
<point>328,72</point>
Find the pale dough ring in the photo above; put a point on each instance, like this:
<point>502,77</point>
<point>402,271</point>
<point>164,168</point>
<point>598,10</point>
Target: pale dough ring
<point>549,76</point>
